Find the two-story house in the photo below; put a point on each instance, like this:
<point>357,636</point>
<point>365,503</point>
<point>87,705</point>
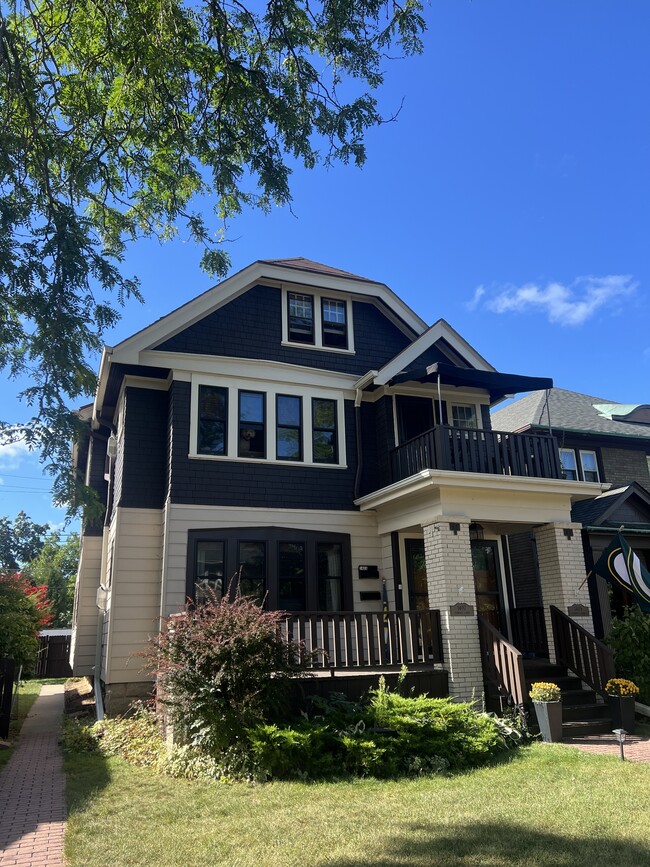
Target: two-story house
<point>598,441</point>
<point>299,433</point>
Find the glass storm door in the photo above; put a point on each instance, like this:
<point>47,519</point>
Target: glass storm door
<point>487,582</point>
<point>416,574</point>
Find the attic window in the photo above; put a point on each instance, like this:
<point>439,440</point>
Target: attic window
<point>317,321</point>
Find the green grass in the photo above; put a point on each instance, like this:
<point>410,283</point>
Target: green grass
<point>549,805</point>
<point>27,694</point>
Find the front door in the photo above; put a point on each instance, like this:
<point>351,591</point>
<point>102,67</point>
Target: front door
<point>416,573</point>
<point>487,582</point>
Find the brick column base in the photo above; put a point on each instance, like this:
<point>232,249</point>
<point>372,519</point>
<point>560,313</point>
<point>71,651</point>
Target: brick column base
<point>450,579</point>
<point>562,570</point>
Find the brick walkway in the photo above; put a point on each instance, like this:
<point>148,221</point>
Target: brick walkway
<point>32,789</point>
<point>637,749</point>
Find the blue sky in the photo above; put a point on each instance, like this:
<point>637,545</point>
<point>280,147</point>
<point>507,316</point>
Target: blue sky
<point>511,197</point>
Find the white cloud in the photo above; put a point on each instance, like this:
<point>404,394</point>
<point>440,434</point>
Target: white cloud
<point>12,455</point>
<point>566,305</point>
<point>479,292</point>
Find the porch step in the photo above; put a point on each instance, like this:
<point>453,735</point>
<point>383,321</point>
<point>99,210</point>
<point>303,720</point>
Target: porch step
<point>582,713</point>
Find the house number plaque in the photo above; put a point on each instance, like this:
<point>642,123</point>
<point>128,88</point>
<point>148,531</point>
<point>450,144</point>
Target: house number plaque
<point>461,609</point>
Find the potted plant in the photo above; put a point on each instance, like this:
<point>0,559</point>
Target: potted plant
<point>548,707</point>
<point>621,696</point>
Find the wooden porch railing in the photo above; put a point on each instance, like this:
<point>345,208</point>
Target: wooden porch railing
<point>473,450</point>
<point>503,664</point>
<point>366,639</point>
<point>581,652</point>
<point>529,630</point>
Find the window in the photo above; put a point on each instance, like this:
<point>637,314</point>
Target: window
<point>330,573</point>
<point>589,466</point>
<point>252,570</point>
<point>301,318</point>
<point>208,574</point>
<point>334,323</point>
<point>324,433</point>
<point>317,321</point>
<point>463,415</point>
<point>252,425</point>
<point>569,466</point>
<point>213,420</point>
<point>283,568</point>
<point>288,440</point>
<point>292,567</point>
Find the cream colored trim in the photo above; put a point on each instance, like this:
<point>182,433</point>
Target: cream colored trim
<point>440,329</point>
<point>255,369</point>
<point>484,481</point>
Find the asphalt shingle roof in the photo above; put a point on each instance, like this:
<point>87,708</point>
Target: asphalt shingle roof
<point>569,410</point>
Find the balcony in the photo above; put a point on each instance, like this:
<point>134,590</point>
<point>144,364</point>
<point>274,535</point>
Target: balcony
<point>468,450</point>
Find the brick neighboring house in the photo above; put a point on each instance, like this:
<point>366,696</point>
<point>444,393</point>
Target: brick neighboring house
<point>599,441</point>
<point>302,426</point>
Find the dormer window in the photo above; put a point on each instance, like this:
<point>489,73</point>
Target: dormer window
<point>301,318</point>
<point>335,331</point>
<point>317,321</point>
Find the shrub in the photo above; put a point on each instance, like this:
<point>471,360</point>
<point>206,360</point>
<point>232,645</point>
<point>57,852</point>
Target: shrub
<point>222,666</point>
<point>23,612</point>
<point>630,640</point>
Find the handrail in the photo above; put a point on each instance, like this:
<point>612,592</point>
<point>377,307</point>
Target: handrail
<point>365,639</point>
<point>503,664</point>
<point>478,450</point>
<point>581,652</point>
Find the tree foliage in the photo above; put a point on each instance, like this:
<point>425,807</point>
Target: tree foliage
<point>21,540</point>
<point>24,610</point>
<point>55,568</point>
<point>115,117</point>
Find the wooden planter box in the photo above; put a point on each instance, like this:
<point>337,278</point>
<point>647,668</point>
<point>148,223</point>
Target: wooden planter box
<point>622,708</point>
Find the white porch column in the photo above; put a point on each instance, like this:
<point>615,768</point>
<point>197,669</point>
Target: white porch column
<point>562,570</point>
<point>450,579</point>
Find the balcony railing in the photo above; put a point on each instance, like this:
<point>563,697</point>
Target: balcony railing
<point>477,451</point>
<point>365,639</point>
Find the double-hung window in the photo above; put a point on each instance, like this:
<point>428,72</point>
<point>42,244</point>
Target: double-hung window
<point>318,321</point>
<point>252,424</point>
<point>463,415</point>
<point>589,465</point>
<point>213,420</point>
<point>324,431</point>
<point>335,329</point>
<point>288,438</point>
<point>301,318</point>
<point>569,466</point>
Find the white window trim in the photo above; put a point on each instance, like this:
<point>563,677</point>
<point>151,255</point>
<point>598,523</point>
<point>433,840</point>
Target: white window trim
<point>478,417</point>
<point>582,466</point>
<point>318,296</point>
<point>271,390</point>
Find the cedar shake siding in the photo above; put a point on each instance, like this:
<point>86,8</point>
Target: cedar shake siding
<point>141,475</point>
<point>250,326</point>
<point>257,484</point>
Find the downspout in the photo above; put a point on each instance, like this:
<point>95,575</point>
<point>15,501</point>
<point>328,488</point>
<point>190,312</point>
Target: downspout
<point>365,380</point>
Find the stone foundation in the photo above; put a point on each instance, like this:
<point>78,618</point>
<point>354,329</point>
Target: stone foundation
<point>119,696</point>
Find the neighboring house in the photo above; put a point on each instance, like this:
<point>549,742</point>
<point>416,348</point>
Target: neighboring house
<point>599,441</point>
<point>302,427</point>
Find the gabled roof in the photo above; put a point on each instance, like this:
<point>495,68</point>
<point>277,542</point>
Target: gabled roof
<point>601,511</point>
<point>567,410</point>
<point>303,272</point>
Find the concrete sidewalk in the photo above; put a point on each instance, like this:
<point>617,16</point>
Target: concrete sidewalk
<point>32,789</point>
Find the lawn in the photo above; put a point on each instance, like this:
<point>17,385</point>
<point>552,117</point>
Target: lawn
<point>548,805</point>
<point>27,694</point>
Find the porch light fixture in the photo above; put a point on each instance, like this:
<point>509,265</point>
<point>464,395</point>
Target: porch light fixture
<point>476,532</point>
<point>620,737</point>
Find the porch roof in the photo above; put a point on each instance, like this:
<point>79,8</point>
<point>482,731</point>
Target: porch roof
<point>498,384</point>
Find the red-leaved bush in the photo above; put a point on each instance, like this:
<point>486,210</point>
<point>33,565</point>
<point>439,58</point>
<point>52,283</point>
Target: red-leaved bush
<point>24,610</point>
<point>222,666</point>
